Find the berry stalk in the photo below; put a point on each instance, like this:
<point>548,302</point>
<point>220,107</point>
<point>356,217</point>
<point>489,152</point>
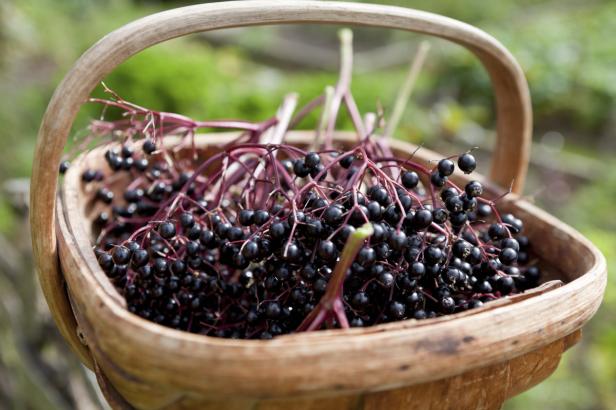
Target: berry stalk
<point>331,303</point>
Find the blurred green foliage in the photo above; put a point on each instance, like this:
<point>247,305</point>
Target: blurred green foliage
<point>565,47</point>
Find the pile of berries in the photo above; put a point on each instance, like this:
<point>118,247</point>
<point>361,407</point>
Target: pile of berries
<point>251,251</point>
<point>258,238</point>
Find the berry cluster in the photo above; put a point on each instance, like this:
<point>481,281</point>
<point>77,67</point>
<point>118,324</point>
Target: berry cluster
<point>258,238</point>
<point>253,256</point>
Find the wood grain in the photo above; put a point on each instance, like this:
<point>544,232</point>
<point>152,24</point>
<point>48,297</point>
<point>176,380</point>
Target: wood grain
<point>520,337</point>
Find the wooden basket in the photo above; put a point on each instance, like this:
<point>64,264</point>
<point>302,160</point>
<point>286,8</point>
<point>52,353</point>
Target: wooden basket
<point>475,359</point>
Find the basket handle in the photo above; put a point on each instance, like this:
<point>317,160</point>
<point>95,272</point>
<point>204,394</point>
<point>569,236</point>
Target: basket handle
<point>510,160</point>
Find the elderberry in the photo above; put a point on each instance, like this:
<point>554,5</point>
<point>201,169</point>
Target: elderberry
<point>247,247</point>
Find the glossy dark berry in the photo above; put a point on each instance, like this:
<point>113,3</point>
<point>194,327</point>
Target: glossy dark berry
<point>260,217</point>
<point>178,267</point>
<point>379,194</point>
<point>398,240</point>
<point>386,280</point>
<point>207,238</point>
<point>417,270</point>
<point>141,164</point>
<point>246,217</point>
<point>166,230</point>
<point>292,253</point>
<point>64,165</point>
<point>454,204</point>
<point>523,242</point>
<point>333,215</point>
<point>121,255</point>
<point>187,220</point>
<point>106,262</point>
<point>192,248</point>
<point>451,275</point>
<point>300,169</point>
<point>366,256</point>
<point>514,224</point>
<point>473,189</point>
<point>448,192</point>
<point>327,250</point>
<point>484,210</point>
<point>273,310</point>
<point>508,256</point>
<point>312,159</point>
<point>505,285</point>
<point>439,215</point>
<point>320,285</point>
<point>432,254</point>
<point>375,211</point>
<point>483,287</point>
<point>308,272</point>
<point>414,299</point>
<point>250,250</point>
<point>140,258</point>
<point>532,274</point>
<point>445,167</point>
<point>410,179</point>
<point>397,310</point>
<point>277,230</point>
<point>297,217</point>
<point>448,304</point>
<point>469,203</point>
<point>88,175</point>
<point>467,163</point>
<point>360,299</point>
<point>287,164</point>
<point>510,243</point>
<point>458,218</point>
<point>105,195</point>
<point>314,228</point>
<point>438,180</point>
<point>420,314</point>
<point>475,304</point>
<point>497,231</point>
<point>149,146</point>
<point>462,249</point>
<point>347,161</point>
<point>392,214</point>
<point>474,256</point>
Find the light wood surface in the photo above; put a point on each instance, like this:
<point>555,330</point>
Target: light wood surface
<point>518,339</point>
<point>510,89</point>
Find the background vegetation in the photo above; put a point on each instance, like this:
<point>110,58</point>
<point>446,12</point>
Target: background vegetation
<point>565,47</point>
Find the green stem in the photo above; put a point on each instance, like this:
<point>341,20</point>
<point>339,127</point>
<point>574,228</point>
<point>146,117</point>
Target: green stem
<point>331,302</point>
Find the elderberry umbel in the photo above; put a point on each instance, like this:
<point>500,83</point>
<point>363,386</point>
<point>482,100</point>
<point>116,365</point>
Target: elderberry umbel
<point>191,253</point>
<point>260,238</point>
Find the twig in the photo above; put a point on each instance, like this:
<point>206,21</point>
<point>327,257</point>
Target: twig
<point>344,82</point>
<point>322,128</point>
<point>406,89</point>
